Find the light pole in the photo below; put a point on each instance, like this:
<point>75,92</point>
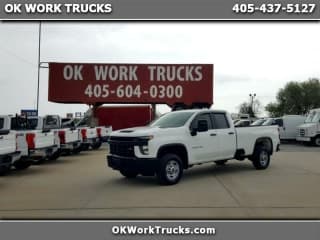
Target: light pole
<point>39,52</point>
<point>252,96</point>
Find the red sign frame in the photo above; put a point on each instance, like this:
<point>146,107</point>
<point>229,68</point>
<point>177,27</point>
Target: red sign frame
<point>130,83</point>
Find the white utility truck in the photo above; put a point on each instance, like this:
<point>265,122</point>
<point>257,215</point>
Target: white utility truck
<point>309,132</point>
<point>181,139</point>
<point>287,125</point>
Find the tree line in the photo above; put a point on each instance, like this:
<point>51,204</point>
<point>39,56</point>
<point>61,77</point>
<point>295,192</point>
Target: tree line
<point>294,98</point>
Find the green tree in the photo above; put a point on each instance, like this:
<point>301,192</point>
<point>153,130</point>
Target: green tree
<point>296,98</point>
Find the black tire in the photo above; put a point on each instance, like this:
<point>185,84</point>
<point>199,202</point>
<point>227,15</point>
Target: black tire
<point>316,141</point>
<point>77,150</point>
<point>221,162</point>
<point>170,169</point>
<point>261,158</point>
<point>96,145</point>
<point>128,173</point>
<point>21,165</point>
<point>55,155</point>
<point>4,170</point>
<point>84,147</point>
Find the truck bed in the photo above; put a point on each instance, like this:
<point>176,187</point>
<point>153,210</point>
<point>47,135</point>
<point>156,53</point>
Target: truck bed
<point>247,136</point>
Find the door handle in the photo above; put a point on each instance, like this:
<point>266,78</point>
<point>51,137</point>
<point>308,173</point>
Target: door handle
<point>213,134</point>
<point>231,133</point>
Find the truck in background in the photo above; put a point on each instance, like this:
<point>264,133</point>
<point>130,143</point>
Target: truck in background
<point>13,147</point>
<point>42,144</point>
<point>67,139</point>
<point>287,125</point>
<point>7,149</point>
<point>309,132</point>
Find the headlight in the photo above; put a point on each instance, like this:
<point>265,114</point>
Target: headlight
<point>144,149</point>
<point>146,137</point>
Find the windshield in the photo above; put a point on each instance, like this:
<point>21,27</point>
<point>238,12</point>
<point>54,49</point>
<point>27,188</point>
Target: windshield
<point>171,120</point>
<point>313,117</point>
<point>258,122</point>
<point>268,122</point>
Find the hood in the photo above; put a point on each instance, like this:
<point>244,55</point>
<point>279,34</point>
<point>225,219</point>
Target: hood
<point>136,131</point>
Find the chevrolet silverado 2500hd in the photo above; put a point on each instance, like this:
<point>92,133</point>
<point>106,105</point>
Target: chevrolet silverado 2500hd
<point>181,139</point>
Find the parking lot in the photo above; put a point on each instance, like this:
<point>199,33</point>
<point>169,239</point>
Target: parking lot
<point>81,186</point>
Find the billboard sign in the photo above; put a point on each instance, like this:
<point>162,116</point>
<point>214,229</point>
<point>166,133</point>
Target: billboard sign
<point>130,83</point>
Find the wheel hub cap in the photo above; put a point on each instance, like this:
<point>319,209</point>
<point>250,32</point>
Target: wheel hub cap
<point>264,158</point>
<point>172,170</point>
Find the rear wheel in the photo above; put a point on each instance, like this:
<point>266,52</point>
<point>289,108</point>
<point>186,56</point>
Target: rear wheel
<point>261,158</point>
<point>76,150</point>
<point>55,155</point>
<point>21,165</point>
<point>5,168</point>
<point>85,147</point>
<point>128,173</point>
<point>170,169</point>
<point>96,145</point>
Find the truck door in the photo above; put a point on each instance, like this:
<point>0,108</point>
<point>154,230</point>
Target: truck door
<point>283,130</point>
<point>204,145</point>
<point>225,134</point>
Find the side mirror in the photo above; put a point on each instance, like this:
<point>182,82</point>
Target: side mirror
<point>193,131</point>
<point>202,126</point>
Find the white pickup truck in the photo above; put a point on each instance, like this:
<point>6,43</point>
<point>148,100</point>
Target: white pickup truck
<point>13,147</point>
<point>7,149</point>
<point>41,144</point>
<point>68,139</point>
<point>91,136</point>
<point>181,139</point>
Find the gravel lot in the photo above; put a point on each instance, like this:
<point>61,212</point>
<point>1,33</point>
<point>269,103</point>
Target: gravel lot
<point>82,186</point>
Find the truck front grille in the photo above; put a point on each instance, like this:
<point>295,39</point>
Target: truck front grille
<point>302,132</point>
<point>122,149</point>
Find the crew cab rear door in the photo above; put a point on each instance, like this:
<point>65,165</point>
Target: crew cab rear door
<point>204,145</point>
<point>225,134</point>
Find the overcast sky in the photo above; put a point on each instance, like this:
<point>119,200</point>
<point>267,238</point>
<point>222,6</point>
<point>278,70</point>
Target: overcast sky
<point>248,57</point>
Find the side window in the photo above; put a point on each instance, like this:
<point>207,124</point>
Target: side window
<point>1,123</point>
<point>204,116</point>
<point>279,122</point>
<point>220,121</point>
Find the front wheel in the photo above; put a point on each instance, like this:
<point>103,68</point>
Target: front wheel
<point>316,141</point>
<point>170,169</point>
<point>261,158</point>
